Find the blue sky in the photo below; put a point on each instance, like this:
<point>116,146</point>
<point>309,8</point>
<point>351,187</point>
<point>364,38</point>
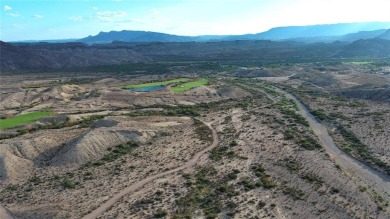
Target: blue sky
<point>64,19</point>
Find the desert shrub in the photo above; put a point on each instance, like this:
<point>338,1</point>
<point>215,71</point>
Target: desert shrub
<point>265,180</point>
<point>233,143</point>
<point>261,204</point>
<point>231,176</point>
<point>219,152</point>
<point>160,214</point>
<point>334,190</point>
<point>206,194</point>
<point>291,165</point>
<point>289,134</point>
<point>69,184</point>
<point>119,151</point>
<point>295,193</point>
<point>245,118</point>
<point>312,178</point>
<point>319,114</point>
<point>12,187</point>
<point>309,143</point>
<point>203,132</point>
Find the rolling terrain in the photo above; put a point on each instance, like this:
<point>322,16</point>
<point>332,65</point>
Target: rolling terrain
<point>255,141</point>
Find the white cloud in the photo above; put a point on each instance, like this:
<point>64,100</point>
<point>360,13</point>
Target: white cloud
<point>7,8</point>
<point>95,8</point>
<point>14,14</point>
<point>75,18</point>
<point>37,16</point>
<point>110,16</point>
<point>18,25</point>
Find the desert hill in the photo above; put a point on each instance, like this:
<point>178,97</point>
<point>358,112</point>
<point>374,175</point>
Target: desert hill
<point>47,56</point>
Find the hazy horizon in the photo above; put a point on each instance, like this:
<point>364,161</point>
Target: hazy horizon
<point>47,20</point>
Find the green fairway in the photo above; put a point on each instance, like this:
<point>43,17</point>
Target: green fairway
<point>189,85</point>
<point>177,80</point>
<point>22,119</point>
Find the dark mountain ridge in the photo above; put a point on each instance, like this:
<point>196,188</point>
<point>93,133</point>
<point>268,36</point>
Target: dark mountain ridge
<point>62,55</point>
<point>65,55</point>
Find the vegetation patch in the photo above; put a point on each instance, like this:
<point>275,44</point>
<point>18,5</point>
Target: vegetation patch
<point>289,107</point>
<point>291,165</point>
<point>115,153</point>
<point>295,193</point>
<point>320,114</point>
<point>204,133</point>
<point>206,194</point>
<point>354,146</point>
<point>160,214</point>
<point>309,143</point>
<point>312,178</point>
<point>263,180</point>
<point>24,119</point>
<point>189,85</point>
<point>219,152</point>
<point>69,184</point>
<point>158,83</point>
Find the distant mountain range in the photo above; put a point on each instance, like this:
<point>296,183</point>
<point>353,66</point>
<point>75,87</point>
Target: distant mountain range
<point>346,32</point>
<point>278,44</point>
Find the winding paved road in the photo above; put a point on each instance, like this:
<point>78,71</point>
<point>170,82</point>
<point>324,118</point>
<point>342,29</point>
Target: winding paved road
<point>132,188</point>
<point>375,179</point>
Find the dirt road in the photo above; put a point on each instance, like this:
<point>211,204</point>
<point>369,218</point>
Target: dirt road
<point>375,179</point>
<point>102,208</point>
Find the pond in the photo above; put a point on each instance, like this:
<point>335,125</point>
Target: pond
<point>147,89</point>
